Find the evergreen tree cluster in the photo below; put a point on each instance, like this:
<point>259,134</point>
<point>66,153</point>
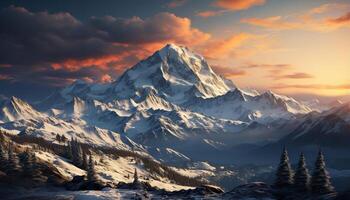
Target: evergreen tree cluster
<point>80,159</point>
<point>61,138</point>
<point>91,173</point>
<point>318,184</point>
<point>75,152</point>
<point>24,164</point>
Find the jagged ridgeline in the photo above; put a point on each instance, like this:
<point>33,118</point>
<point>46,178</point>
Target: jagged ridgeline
<point>170,101</point>
<point>171,119</point>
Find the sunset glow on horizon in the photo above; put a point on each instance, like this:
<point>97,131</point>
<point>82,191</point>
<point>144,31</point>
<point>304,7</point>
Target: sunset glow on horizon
<point>291,47</point>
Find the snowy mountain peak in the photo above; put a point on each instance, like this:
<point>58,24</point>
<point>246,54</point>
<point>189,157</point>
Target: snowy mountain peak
<point>175,73</point>
<point>186,57</point>
<point>14,109</point>
<point>172,48</point>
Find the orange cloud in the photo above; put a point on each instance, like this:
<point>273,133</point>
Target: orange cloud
<point>275,22</point>
<point>106,78</point>
<point>307,20</point>
<point>229,5</point>
<point>297,75</point>
<point>168,29</point>
<point>222,48</point>
<point>278,66</point>
<point>344,19</point>
<point>238,4</point>
<point>210,13</point>
<point>328,7</point>
<point>5,77</point>
<point>228,72</point>
<point>176,3</point>
<point>314,86</point>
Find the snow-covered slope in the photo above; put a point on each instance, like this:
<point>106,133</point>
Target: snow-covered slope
<point>244,106</point>
<point>160,125</point>
<point>329,128</point>
<point>175,73</point>
<point>171,97</point>
<point>15,109</point>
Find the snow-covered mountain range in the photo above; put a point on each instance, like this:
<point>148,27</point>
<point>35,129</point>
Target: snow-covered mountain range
<point>169,101</point>
<point>330,128</point>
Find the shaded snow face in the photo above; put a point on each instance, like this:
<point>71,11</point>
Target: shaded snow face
<point>172,96</point>
<point>174,73</point>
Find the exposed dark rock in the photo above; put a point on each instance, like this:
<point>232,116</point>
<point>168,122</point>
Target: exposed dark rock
<point>136,185</point>
<point>257,190</point>
<point>199,192</point>
<point>343,196</point>
<point>80,183</point>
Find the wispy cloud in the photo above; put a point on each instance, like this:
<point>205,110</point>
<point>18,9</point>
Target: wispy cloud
<point>313,86</point>
<point>221,48</point>
<point>229,5</point>
<point>307,20</point>
<point>278,71</point>
<point>344,19</point>
<point>238,4</point>
<point>268,66</point>
<point>5,77</point>
<point>274,22</point>
<point>228,72</point>
<point>176,3</point>
<point>296,75</point>
<point>210,13</point>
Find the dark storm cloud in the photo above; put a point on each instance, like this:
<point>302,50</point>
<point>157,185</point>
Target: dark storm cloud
<point>39,46</point>
<point>161,27</point>
<point>35,38</point>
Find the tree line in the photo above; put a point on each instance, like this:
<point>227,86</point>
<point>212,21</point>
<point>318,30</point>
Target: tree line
<point>24,164</point>
<point>82,152</point>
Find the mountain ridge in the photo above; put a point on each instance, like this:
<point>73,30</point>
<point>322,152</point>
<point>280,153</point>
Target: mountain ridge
<point>168,100</point>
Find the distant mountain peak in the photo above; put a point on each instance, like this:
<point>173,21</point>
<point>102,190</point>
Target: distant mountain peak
<point>14,108</point>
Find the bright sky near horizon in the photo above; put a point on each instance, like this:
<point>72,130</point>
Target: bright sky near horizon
<point>291,47</point>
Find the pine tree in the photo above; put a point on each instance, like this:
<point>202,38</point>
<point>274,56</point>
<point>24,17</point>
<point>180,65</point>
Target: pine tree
<point>3,159</point>
<point>26,163</point>
<point>85,161</point>
<point>284,172</point>
<point>136,177</point>
<point>13,167</point>
<point>91,173</point>
<point>77,153</point>
<point>320,181</point>
<point>302,177</point>
<point>63,139</point>
<point>36,171</point>
<point>69,153</point>
<point>58,138</point>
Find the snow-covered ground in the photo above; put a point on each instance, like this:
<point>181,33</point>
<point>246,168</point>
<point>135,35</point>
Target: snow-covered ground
<point>111,170</point>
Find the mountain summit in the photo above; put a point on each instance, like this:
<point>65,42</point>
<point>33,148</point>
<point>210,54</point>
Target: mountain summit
<point>175,73</point>
<point>172,99</point>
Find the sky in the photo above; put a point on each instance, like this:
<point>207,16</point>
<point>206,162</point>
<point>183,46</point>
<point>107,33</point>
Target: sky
<point>298,48</point>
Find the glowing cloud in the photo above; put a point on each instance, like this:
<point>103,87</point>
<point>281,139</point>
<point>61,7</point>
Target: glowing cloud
<point>222,48</point>
<point>238,4</point>
<point>59,42</point>
<point>176,3</point>
<point>228,72</point>
<point>342,20</point>
<point>275,22</point>
<point>305,21</point>
<point>210,13</point>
